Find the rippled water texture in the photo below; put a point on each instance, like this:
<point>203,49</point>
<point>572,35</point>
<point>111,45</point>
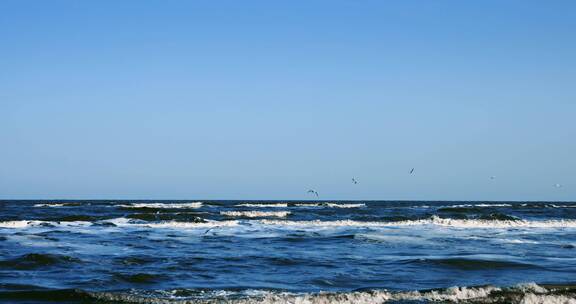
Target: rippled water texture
<point>287,252</point>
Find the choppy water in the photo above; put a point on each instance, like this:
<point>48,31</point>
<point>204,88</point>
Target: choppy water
<point>287,252</point>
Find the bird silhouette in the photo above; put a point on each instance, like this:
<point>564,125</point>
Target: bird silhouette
<point>313,192</point>
<point>354,181</point>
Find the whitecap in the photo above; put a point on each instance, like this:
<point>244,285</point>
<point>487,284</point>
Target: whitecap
<point>276,205</point>
<point>163,205</point>
<point>517,241</point>
<point>36,223</point>
<point>531,294</point>
<point>18,224</point>
<point>562,206</point>
<point>458,223</point>
<point>128,223</point>
<point>522,294</point>
<point>330,205</point>
<point>478,205</point>
<point>49,205</point>
<point>188,225</point>
<point>318,223</point>
<point>434,220</point>
<point>256,213</point>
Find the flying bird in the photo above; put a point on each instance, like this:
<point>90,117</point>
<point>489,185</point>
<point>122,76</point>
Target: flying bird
<point>412,171</point>
<point>354,181</point>
<point>558,185</point>
<point>313,192</point>
<point>492,177</point>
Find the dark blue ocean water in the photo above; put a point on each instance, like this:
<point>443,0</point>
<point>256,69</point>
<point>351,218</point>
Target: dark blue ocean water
<point>286,252</point>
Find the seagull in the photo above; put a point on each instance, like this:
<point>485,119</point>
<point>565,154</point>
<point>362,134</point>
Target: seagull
<point>412,171</point>
<point>558,185</point>
<point>313,192</point>
<point>354,181</point>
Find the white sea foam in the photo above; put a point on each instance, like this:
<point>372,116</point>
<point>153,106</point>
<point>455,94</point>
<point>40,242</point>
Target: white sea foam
<point>49,205</point>
<point>531,287</point>
<point>318,223</point>
<point>478,205</point>
<point>517,241</point>
<point>496,223</point>
<point>35,223</point>
<point>308,205</point>
<point>562,206</point>
<point>330,205</point>
<point>433,221</point>
<point>66,204</point>
<point>128,223</point>
<point>256,213</point>
<point>453,294</point>
<point>532,294</point>
<point>531,298</point>
<point>18,224</point>
<point>163,205</point>
<point>276,205</point>
<point>436,221</point>
<point>119,222</point>
<point>188,225</point>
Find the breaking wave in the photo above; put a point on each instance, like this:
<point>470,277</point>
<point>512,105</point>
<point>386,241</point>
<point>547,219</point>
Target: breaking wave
<point>35,223</point>
<point>58,205</point>
<point>434,220</point>
<point>119,222</point>
<point>330,205</point>
<point>49,205</point>
<point>530,293</point>
<point>562,206</point>
<point>124,222</point>
<point>277,205</point>
<point>163,205</point>
<point>479,205</point>
<point>255,213</point>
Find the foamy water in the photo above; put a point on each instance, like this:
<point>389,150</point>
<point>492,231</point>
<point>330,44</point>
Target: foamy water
<point>163,205</point>
<point>287,252</point>
<point>330,205</point>
<point>256,213</point>
<point>529,293</point>
<point>434,221</point>
<point>270,205</point>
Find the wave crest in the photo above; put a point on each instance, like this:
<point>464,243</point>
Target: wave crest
<point>255,213</point>
<point>193,205</point>
<point>277,205</point>
<point>331,205</point>
<point>434,220</point>
<point>128,223</point>
<point>36,223</point>
<point>520,294</point>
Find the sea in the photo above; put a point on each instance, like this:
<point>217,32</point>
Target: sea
<point>287,252</point>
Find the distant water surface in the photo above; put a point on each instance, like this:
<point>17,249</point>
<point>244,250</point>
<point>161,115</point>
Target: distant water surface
<point>287,252</point>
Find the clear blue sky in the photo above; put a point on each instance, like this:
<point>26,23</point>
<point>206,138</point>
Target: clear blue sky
<point>266,99</point>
